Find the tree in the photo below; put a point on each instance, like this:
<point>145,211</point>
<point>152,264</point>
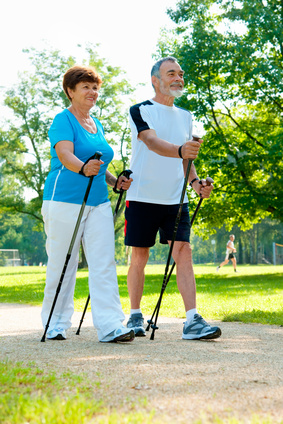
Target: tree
<point>233,78</point>
<point>24,146</point>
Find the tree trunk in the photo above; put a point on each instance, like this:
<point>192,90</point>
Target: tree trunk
<point>82,260</point>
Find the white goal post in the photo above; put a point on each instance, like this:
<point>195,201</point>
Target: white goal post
<point>277,253</point>
<point>9,257</point>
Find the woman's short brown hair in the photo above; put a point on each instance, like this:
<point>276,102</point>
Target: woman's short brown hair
<point>77,74</point>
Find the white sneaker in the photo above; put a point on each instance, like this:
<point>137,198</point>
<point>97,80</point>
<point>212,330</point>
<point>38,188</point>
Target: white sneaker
<point>217,269</point>
<point>57,334</point>
<point>121,334</point>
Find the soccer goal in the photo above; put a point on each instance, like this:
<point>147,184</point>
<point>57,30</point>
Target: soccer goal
<point>277,254</point>
<point>9,257</point>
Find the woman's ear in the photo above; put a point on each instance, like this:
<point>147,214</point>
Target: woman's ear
<point>70,93</point>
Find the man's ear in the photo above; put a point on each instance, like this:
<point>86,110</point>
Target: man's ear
<point>155,81</point>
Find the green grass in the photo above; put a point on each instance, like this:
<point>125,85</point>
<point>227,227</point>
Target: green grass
<point>29,395</point>
<point>255,294</point>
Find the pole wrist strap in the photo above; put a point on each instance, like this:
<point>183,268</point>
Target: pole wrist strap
<point>81,171</point>
<point>180,151</point>
<point>195,179</point>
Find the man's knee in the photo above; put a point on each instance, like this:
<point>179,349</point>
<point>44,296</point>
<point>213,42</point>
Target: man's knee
<point>140,256</point>
<point>182,251</point>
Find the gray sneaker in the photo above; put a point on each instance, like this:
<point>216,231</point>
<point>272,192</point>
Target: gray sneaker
<point>136,323</point>
<point>200,329</point>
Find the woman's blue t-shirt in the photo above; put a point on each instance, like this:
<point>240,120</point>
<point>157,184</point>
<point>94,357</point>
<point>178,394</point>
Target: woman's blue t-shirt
<point>63,185</point>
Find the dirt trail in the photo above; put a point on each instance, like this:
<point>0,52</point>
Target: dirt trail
<point>238,375</point>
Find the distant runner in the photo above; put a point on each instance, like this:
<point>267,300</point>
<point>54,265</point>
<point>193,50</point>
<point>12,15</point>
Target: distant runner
<point>230,250</point>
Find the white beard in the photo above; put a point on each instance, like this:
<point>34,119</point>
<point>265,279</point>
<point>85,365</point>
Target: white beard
<point>176,93</point>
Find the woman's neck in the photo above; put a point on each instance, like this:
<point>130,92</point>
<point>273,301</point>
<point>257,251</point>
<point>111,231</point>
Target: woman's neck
<point>84,118</point>
<point>80,113</point>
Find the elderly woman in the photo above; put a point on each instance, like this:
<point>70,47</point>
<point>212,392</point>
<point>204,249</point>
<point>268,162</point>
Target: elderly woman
<point>75,136</point>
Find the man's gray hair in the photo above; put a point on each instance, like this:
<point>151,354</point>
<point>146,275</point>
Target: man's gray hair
<point>155,71</point>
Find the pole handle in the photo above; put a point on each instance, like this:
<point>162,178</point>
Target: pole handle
<point>196,137</point>
<point>97,155</point>
<point>126,173</point>
<point>209,181</point>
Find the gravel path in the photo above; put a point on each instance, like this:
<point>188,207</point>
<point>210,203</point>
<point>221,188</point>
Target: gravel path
<point>238,375</point>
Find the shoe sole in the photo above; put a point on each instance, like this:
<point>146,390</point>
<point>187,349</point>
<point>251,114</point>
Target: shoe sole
<point>140,333</point>
<point>129,337</point>
<point>206,336</point>
<point>58,337</point>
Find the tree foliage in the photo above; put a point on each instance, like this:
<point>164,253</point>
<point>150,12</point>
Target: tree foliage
<point>34,101</point>
<point>232,53</point>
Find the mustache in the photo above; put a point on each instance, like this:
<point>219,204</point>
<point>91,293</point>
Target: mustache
<point>177,85</point>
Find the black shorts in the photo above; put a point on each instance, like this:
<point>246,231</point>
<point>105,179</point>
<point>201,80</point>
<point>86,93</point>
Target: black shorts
<point>144,220</point>
<point>231,256</point>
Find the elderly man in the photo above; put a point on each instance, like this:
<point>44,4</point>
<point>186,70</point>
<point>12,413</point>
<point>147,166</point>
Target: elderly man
<point>161,146</point>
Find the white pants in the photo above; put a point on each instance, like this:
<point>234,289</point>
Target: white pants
<point>97,234</point>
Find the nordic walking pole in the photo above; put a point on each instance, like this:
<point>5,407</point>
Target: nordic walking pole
<point>154,326</point>
<point>127,174</point>
<point>97,156</point>
<point>209,181</point>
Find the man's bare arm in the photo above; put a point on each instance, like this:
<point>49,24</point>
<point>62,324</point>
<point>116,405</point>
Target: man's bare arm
<point>162,147</point>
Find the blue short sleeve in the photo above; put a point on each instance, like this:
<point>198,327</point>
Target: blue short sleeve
<point>61,129</point>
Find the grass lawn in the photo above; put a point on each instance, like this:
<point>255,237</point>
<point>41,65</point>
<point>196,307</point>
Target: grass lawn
<point>255,294</point>
<point>31,395</point>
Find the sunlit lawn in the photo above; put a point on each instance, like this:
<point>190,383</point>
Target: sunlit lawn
<point>31,395</point>
<point>255,294</point>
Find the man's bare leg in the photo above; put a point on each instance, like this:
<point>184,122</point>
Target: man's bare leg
<point>136,275</point>
<point>135,288</point>
<point>234,262</point>
<point>182,255</point>
<point>195,327</point>
<point>224,263</point>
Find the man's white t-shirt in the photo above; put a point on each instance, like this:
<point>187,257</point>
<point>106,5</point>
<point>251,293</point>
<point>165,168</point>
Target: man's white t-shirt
<point>157,179</point>
<point>230,248</point>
